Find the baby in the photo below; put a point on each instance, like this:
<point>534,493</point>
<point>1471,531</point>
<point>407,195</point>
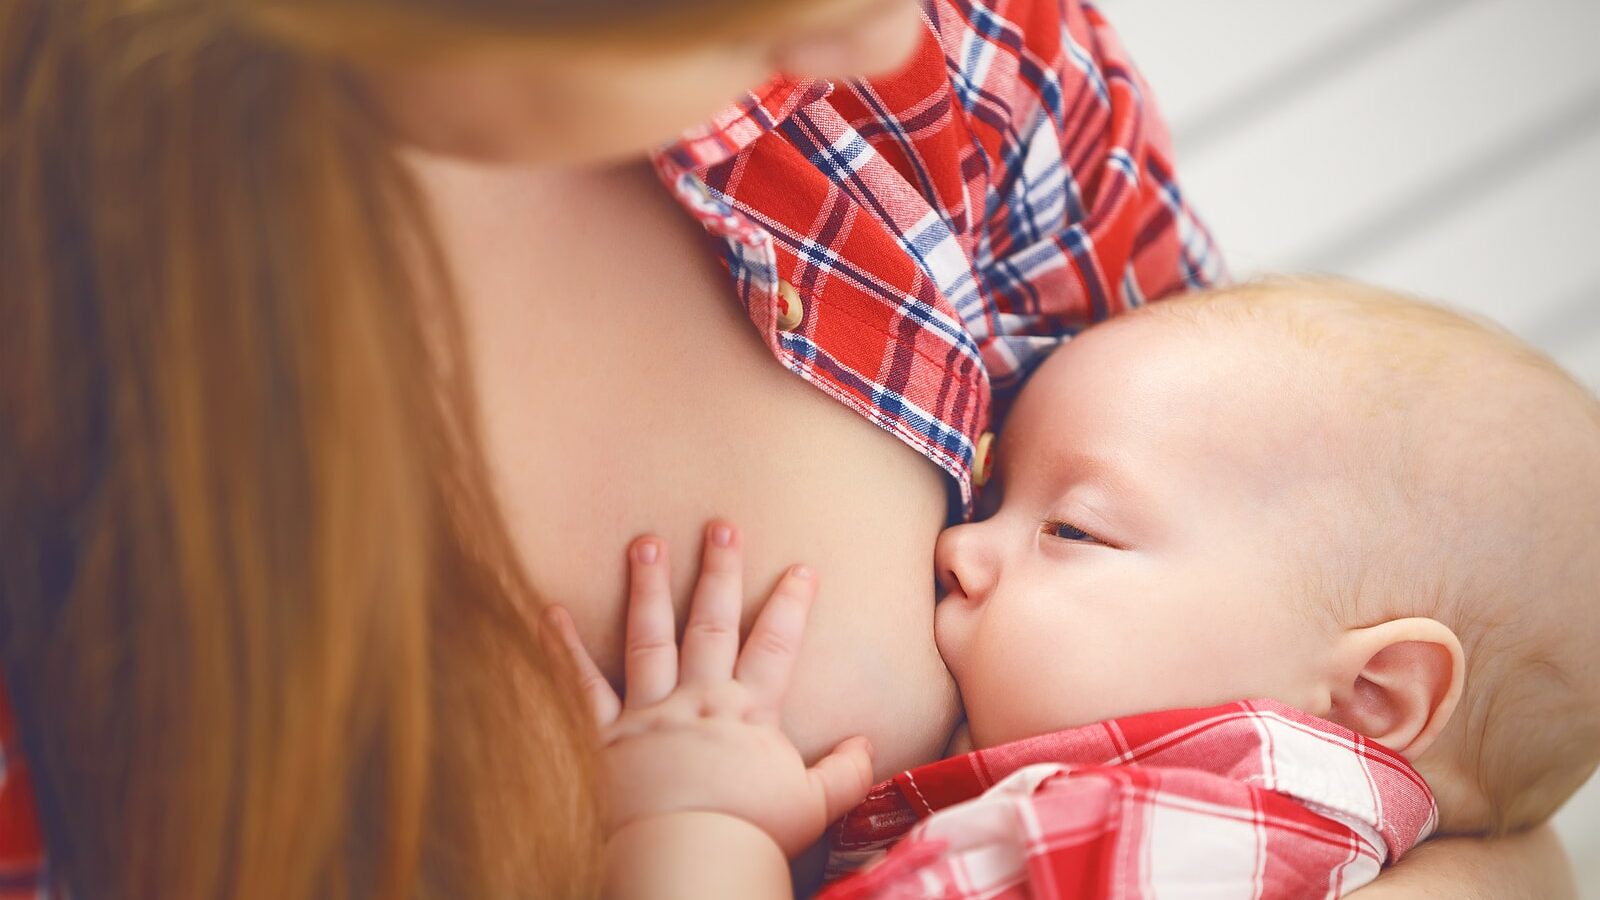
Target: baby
<point>1373,521</point>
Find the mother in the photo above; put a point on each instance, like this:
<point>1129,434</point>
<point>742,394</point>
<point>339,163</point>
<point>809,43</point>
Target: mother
<point>327,347</point>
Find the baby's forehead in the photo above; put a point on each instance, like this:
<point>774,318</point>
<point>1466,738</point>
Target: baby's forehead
<point>1248,376</point>
<point>1223,406</point>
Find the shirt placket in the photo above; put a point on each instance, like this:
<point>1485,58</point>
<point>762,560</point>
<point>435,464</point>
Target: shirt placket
<point>758,261</point>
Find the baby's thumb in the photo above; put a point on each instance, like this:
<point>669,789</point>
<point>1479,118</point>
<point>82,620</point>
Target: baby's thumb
<point>841,779</point>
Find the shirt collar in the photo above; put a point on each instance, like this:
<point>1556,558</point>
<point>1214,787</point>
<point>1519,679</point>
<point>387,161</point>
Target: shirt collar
<point>738,126</point>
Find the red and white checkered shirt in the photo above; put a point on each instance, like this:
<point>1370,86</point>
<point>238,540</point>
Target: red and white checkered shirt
<point>1251,800</point>
<point>941,230</point>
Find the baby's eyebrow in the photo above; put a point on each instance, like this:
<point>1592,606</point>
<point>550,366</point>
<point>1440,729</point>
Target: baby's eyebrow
<point>1106,472</point>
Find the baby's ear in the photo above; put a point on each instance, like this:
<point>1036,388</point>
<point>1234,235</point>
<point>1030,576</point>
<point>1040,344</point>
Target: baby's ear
<point>1398,683</point>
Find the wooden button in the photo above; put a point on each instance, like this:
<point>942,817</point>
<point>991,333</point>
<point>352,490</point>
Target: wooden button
<point>790,310</point>
<point>983,459</point>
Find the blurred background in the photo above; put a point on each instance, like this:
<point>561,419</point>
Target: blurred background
<point>1446,147</point>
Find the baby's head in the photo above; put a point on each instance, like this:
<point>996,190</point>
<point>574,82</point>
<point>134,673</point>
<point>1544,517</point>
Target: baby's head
<point>1367,507</point>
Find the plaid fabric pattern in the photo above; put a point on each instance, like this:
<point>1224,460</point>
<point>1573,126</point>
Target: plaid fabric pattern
<point>1250,800</point>
<point>950,225</point>
<point>945,228</point>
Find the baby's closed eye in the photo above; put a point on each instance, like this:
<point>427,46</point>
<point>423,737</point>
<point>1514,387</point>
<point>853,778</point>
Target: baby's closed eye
<point>1068,532</point>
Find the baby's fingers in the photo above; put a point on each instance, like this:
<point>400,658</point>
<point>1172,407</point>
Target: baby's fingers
<point>767,661</point>
<point>711,637</point>
<point>561,636</point>
<point>842,778</point>
<point>650,655</point>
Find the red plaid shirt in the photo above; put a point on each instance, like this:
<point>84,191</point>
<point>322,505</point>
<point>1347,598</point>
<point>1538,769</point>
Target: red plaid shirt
<point>944,228</point>
<point>914,245</point>
<point>1250,800</point>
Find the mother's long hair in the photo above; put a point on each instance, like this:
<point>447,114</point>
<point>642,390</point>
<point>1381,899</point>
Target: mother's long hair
<point>261,624</point>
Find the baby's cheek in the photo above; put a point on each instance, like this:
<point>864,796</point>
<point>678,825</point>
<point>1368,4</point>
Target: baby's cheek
<point>1000,683</point>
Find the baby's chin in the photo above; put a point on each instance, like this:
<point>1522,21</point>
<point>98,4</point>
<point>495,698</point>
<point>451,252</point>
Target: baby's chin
<point>960,740</point>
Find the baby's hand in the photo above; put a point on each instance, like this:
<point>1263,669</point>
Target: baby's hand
<point>700,733</point>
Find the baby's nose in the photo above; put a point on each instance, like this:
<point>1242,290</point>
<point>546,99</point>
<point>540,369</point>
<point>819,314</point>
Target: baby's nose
<point>950,583</point>
<point>964,565</point>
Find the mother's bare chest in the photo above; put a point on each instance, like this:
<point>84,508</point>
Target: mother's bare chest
<point>624,389</point>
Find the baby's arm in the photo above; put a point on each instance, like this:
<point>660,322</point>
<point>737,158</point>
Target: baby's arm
<point>694,855</point>
<point>704,795</point>
<point>1528,866</point>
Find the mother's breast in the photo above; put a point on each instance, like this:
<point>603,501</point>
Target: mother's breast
<point>625,391</point>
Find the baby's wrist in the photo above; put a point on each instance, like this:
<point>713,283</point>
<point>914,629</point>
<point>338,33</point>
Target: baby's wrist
<point>691,829</point>
<point>714,852</point>
<point>705,819</point>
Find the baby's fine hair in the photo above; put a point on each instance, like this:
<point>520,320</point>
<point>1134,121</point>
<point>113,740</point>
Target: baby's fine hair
<point>1477,461</point>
